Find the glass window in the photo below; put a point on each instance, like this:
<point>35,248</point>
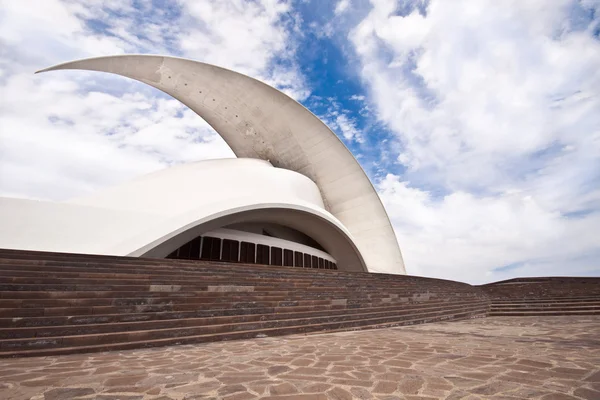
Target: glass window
<point>288,258</point>
<point>184,251</point>
<point>230,251</point>
<point>206,245</point>
<point>195,249</point>
<point>276,256</point>
<point>298,259</point>
<point>306,260</point>
<point>247,255</point>
<point>262,254</point>
<point>215,249</point>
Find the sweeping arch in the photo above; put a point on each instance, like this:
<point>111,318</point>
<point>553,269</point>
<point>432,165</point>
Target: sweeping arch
<point>258,121</point>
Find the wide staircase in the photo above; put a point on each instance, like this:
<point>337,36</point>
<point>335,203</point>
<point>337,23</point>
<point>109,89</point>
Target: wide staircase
<point>54,303</point>
<point>553,296</point>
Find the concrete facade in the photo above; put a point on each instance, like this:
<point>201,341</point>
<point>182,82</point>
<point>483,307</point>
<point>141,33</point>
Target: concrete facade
<point>157,213</point>
<point>292,170</point>
<point>258,121</point>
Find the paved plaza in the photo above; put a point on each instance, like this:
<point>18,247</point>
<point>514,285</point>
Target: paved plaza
<point>546,358</point>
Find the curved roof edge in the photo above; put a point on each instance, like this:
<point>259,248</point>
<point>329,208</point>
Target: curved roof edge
<point>258,121</point>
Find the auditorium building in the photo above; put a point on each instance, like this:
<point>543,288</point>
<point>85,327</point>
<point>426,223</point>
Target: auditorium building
<point>294,196</point>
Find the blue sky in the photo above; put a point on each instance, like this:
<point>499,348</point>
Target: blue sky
<point>478,121</point>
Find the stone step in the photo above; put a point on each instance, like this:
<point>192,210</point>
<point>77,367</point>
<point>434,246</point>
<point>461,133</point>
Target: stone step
<point>547,300</point>
<point>542,313</point>
<point>548,306</point>
<point>298,299</point>
<point>57,285</point>
<point>231,336</point>
<point>217,293</point>
<point>178,267</point>
<point>282,306</point>
<point>544,309</point>
<point>63,303</point>
<point>164,266</point>
<point>79,329</point>
<point>273,327</point>
<point>35,321</point>
<point>448,317</point>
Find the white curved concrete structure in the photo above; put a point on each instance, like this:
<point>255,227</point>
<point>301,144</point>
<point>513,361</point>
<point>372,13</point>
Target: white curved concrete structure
<point>317,189</point>
<point>157,213</point>
<point>258,121</point>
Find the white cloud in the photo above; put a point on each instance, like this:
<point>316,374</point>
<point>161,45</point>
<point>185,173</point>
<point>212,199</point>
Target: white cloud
<point>348,128</point>
<point>495,105</point>
<point>340,120</point>
<point>67,133</point>
<point>341,7</point>
<point>245,37</point>
<point>357,97</point>
<point>58,142</point>
<point>466,237</point>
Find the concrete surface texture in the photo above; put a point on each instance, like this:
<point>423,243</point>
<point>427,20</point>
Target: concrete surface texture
<point>258,121</point>
<point>547,358</point>
<point>157,213</point>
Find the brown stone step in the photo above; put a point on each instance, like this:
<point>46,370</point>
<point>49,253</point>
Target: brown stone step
<point>89,302</point>
<point>36,321</point>
<point>222,294</point>
<point>149,335</point>
<point>108,325</point>
<point>234,336</point>
<point>282,306</point>
<point>541,313</point>
<point>66,330</point>
<point>28,283</point>
<point>44,257</point>
<point>136,301</point>
<point>163,265</point>
<point>548,307</point>
<point>478,313</point>
<point>242,268</point>
<point>548,300</point>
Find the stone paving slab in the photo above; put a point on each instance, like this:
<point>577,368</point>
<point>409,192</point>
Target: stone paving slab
<point>549,358</point>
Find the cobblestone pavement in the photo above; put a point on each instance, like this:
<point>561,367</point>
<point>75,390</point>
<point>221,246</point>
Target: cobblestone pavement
<point>548,358</point>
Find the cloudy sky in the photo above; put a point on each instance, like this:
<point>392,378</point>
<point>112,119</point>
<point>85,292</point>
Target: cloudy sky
<point>478,121</point>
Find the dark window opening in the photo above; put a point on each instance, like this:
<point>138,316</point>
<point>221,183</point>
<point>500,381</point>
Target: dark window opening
<point>211,249</point>
<point>315,262</point>
<point>173,254</point>
<point>230,250</point>
<point>195,249</point>
<point>184,251</point>
<point>298,259</point>
<point>216,249</point>
<point>288,258</point>
<point>247,255</point>
<point>306,260</point>
<point>276,256</point>
<point>262,254</point>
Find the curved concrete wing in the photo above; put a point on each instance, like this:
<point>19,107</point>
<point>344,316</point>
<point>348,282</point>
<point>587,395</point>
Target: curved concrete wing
<point>157,213</point>
<point>258,121</point>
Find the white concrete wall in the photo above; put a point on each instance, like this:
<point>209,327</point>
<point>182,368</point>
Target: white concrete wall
<point>158,213</point>
<point>183,187</point>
